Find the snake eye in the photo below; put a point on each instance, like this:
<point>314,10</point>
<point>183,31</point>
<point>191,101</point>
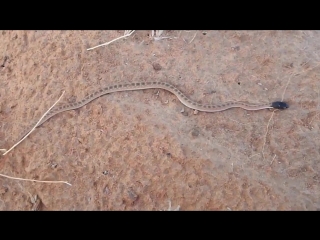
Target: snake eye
<point>280,105</point>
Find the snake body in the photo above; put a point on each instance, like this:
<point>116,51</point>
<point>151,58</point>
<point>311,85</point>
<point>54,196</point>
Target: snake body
<point>162,85</point>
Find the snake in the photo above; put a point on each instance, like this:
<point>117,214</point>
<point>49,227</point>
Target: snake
<point>156,85</point>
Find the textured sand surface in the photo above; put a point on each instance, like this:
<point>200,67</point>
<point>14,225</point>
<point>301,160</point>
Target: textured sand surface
<point>138,150</point>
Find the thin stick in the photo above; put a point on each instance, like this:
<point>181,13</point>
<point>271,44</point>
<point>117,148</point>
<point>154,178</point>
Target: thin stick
<point>34,126</point>
<point>285,89</point>
<point>107,43</point>
<point>273,159</point>
<point>127,32</point>
<point>265,138</point>
<point>193,38</point>
<point>32,180</point>
<point>294,76</point>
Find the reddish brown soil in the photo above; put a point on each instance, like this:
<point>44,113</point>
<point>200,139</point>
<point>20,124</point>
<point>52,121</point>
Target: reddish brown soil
<point>138,150</point>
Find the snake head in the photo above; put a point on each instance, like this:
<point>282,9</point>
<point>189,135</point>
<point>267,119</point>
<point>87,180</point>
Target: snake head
<point>280,105</point>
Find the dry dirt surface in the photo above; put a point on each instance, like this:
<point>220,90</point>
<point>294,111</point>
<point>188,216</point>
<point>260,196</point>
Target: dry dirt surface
<point>144,150</point>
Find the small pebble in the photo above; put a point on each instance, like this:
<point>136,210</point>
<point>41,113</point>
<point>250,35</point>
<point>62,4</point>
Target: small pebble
<point>54,165</point>
<point>195,132</point>
<point>106,190</point>
<point>184,113</point>
<point>156,66</point>
<point>133,196</point>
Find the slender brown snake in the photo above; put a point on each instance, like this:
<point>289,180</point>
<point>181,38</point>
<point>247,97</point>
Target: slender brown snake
<point>162,85</point>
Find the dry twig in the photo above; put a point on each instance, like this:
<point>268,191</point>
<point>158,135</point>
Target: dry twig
<point>33,180</point>
<point>127,33</point>
<point>34,126</point>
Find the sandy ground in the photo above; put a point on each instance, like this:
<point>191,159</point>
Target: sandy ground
<point>142,150</point>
